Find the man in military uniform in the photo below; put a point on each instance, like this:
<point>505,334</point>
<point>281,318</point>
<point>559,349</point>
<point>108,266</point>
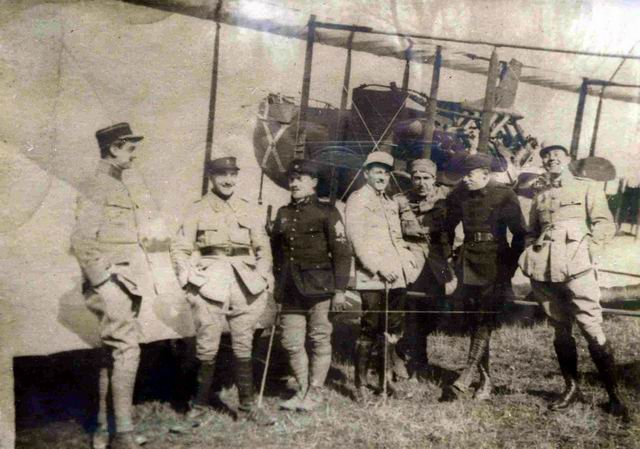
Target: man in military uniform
<point>108,241</point>
<point>422,215</point>
<point>223,260</point>
<point>384,265</point>
<point>312,260</point>
<point>486,261</point>
<point>570,223</point>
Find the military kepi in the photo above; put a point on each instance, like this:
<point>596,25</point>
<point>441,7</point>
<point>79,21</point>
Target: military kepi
<point>379,157</point>
<point>303,167</point>
<point>478,160</point>
<point>222,164</point>
<point>545,150</point>
<point>119,131</point>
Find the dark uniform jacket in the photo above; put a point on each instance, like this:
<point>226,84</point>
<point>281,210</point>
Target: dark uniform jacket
<point>310,248</point>
<point>486,214</point>
<point>423,227</point>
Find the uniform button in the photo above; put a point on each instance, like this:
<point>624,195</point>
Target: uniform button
<point>291,258</point>
<point>290,238</point>
<point>295,219</point>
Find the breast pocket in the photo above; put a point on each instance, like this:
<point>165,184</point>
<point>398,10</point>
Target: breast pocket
<point>210,233</point>
<point>242,234</point>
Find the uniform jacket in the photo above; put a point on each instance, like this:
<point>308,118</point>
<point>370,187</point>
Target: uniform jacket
<point>310,247</point>
<point>486,257</point>
<point>374,230</point>
<point>107,236</point>
<point>214,223</point>
<point>570,221</point>
<point>423,227</point>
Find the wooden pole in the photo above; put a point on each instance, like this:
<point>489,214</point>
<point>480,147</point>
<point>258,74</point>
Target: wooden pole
<point>299,152</point>
<point>344,97</point>
<point>212,100</point>
<point>577,125</point>
<point>489,103</point>
<point>432,104</point>
<point>407,72</point>
<point>596,125</point>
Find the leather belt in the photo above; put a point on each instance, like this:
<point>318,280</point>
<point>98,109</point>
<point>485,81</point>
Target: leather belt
<point>480,237</point>
<point>225,251</point>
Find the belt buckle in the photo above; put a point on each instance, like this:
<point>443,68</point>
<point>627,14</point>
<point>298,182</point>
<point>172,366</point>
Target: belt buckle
<point>228,251</point>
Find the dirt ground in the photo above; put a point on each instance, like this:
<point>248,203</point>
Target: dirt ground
<point>56,399</point>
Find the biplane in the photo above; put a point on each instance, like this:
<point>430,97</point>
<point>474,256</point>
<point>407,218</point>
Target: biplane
<point>407,120</point>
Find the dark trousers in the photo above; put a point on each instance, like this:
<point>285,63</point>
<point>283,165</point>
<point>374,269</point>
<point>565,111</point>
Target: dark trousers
<point>372,323</point>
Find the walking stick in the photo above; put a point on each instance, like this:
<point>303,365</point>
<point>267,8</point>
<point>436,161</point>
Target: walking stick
<point>386,336</point>
<point>268,359</point>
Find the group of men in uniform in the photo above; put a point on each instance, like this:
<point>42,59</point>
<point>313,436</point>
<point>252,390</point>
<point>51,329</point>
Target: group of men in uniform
<point>227,263</point>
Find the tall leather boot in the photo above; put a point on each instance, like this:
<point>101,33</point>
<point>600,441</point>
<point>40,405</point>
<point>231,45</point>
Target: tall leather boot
<point>604,360</point>
<point>483,393</point>
<point>477,348</point>
<point>363,352</point>
<point>388,377</point>
<point>122,384</point>
<point>248,409</point>
<point>100,437</point>
<point>568,359</point>
<point>200,402</point>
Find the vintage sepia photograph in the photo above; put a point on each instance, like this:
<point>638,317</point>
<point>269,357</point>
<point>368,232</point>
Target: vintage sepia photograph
<point>319,224</point>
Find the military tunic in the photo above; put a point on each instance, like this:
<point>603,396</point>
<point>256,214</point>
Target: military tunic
<point>374,230</point>
<point>486,262</point>
<point>570,223</point>
<point>312,259</point>
<point>223,259</point>
<point>107,241</point>
<point>423,221</point>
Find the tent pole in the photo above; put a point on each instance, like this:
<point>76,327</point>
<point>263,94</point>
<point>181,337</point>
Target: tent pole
<point>432,105</point>
<point>489,103</point>
<point>306,86</point>
<point>212,99</point>
<point>577,125</point>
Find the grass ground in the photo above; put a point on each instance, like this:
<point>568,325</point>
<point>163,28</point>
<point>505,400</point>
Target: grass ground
<point>53,409</point>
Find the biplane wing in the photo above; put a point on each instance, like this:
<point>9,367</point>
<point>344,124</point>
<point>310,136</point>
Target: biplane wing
<point>292,24</point>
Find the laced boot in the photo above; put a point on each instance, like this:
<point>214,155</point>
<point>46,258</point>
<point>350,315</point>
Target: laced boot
<point>248,409</point>
<point>200,403</point>
<point>604,360</point>
<point>568,360</point>
<point>476,350</point>
<point>483,393</point>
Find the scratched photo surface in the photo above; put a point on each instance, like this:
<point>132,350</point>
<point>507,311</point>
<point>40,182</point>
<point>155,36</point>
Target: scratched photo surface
<point>204,79</point>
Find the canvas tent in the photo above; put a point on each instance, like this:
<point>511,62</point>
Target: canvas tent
<point>69,68</point>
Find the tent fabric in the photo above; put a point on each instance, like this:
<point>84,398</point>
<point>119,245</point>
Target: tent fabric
<point>293,24</point>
